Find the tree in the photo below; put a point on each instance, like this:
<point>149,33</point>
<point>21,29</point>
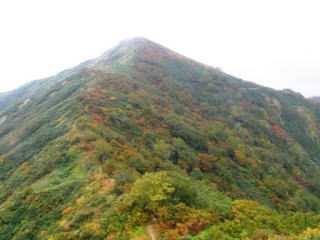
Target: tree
<point>185,155</point>
<point>162,149</point>
<point>103,149</point>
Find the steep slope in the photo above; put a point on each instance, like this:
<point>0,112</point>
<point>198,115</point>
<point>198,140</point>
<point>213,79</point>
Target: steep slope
<point>18,96</point>
<point>142,135</point>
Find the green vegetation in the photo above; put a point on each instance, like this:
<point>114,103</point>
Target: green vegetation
<point>143,138</point>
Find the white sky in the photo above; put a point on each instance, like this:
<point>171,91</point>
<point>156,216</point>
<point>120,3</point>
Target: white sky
<point>275,43</point>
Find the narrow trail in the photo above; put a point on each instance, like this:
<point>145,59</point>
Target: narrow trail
<point>100,172</point>
<point>152,232</point>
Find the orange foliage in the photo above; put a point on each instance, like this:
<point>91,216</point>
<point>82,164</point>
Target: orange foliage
<point>97,117</point>
<point>66,211</point>
<point>239,156</point>
<point>186,220</point>
<point>120,158</point>
<point>206,162</point>
<point>88,148</point>
<point>107,185</point>
<point>172,235</point>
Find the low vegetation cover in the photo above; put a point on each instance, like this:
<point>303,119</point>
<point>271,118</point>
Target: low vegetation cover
<point>143,143</point>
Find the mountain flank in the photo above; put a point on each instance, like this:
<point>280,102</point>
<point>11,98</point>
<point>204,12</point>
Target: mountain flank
<point>142,142</point>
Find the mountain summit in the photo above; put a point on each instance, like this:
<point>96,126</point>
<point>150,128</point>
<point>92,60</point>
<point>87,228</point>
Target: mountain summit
<point>142,142</point>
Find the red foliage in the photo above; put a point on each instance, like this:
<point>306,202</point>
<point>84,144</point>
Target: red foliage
<point>97,117</point>
<point>277,128</point>
<point>229,90</point>
<point>93,93</point>
<point>301,181</point>
<point>102,90</point>
<point>277,200</point>
<point>246,105</point>
<point>153,122</point>
<point>281,133</point>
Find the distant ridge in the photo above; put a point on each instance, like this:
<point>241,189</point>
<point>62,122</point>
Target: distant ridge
<point>314,99</point>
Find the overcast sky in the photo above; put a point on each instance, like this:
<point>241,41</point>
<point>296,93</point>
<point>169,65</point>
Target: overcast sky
<point>275,43</point>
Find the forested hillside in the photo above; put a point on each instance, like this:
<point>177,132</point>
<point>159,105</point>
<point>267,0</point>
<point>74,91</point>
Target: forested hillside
<point>143,142</point>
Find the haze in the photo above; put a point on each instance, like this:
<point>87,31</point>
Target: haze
<point>273,43</point>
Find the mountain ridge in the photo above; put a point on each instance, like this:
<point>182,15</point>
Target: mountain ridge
<point>314,99</point>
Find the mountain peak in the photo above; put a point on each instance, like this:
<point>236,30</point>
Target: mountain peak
<point>140,48</point>
<point>141,43</point>
<point>128,48</point>
<point>136,40</point>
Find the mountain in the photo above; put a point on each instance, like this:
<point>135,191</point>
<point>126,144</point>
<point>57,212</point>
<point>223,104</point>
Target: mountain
<point>143,142</point>
<point>314,99</point>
